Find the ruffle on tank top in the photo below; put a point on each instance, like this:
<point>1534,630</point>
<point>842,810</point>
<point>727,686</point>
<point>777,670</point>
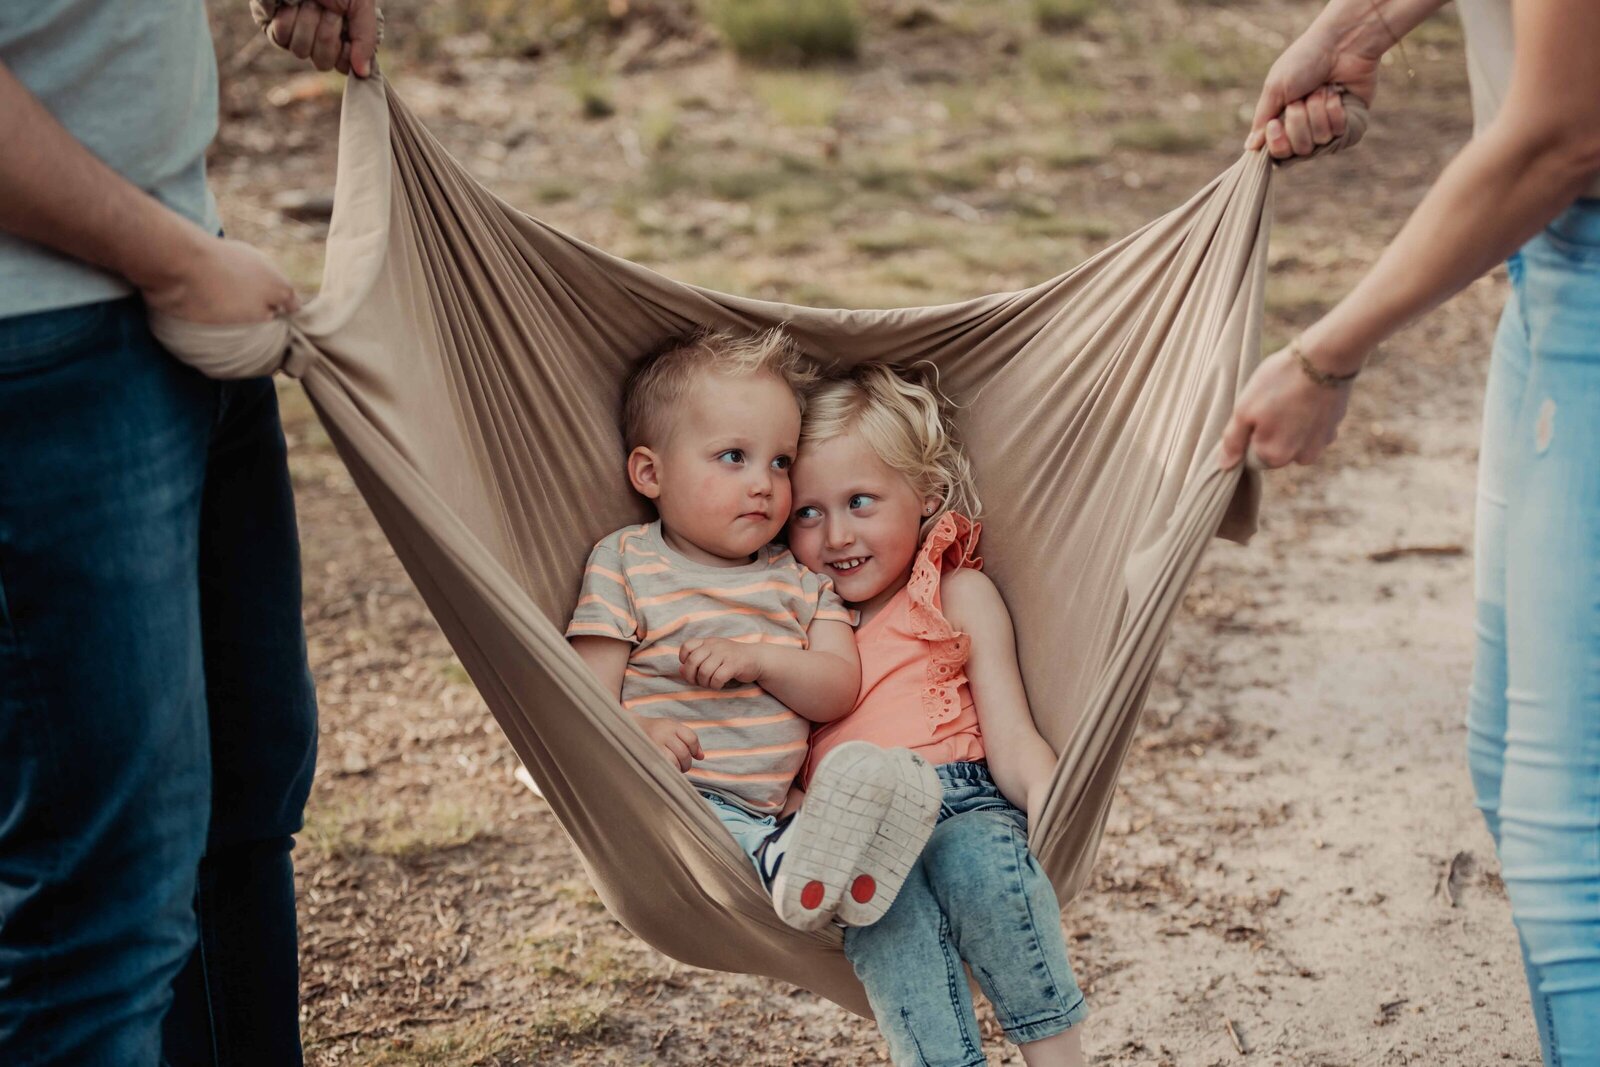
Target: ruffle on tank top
<point>949,546</point>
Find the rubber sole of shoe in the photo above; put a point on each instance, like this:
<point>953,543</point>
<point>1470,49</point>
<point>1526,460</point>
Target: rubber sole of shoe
<point>849,796</point>
<point>901,837</point>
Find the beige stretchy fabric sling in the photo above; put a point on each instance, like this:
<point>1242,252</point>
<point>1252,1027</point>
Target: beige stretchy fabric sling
<point>468,360</point>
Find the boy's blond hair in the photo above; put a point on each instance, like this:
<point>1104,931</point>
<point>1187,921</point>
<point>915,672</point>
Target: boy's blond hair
<point>906,420</point>
<point>660,383</point>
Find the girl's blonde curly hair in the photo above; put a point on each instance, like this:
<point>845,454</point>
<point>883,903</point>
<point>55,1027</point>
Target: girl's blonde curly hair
<point>906,420</point>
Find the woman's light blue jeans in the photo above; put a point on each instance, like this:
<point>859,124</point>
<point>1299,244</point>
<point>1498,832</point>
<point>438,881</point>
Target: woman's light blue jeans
<point>977,894</point>
<point>1534,717</point>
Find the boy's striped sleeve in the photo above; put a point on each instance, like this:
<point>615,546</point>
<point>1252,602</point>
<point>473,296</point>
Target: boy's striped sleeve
<point>826,604</point>
<point>605,603</point>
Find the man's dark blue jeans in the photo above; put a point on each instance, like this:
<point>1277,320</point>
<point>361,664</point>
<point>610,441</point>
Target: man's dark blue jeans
<point>157,718</point>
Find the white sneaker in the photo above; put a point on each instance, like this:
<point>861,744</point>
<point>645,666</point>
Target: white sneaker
<point>847,851</point>
<point>901,837</point>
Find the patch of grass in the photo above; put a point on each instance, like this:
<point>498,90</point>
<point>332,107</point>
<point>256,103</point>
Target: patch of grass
<point>345,831</point>
<point>906,278</point>
<point>1157,135</point>
<point>1026,205</point>
<point>809,294</point>
<point>898,237</point>
<point>784,184</point>
<point>478,1043</point>
<point>510,27</point>
<point>1052,62</point>
<point>658,128</point>
<point>467,1041</point>
<point>1058,16</point>
<point>803,100</point>
<point>592,91</point>
<point>1014,255</point>
<point>453,672</point>
<point>1070,156</point>
<point>753,183</point>
<point>806,201</point>
<point>782,32</point>
<point>1232,63</point>
<point>594,967</point>
<point>1299,296</point>
<point>961,102</point>
<point>1058,225</point>
<point>554,191</point>
<point>580,1021</point>
<point>580,892</point>
<point>963,177</point>
<point>877,174</point>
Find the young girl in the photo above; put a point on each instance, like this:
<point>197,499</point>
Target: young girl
<point>884,505</point>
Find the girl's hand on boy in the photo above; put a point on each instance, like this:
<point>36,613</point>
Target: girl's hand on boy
<point>713,662</point>
<point>679,742</point>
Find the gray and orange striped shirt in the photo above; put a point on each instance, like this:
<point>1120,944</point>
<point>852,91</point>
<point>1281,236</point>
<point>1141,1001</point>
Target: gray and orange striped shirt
<point>637,588</point>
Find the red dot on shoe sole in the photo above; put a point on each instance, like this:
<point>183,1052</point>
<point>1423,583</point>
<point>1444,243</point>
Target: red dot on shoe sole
<point>863,889</point>
<point>811,895</point>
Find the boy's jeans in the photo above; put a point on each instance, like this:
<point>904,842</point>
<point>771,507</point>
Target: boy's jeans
<point>747,829</point>
<point>977,894</point>
<point>157,719</point>
<point>1534,714</point>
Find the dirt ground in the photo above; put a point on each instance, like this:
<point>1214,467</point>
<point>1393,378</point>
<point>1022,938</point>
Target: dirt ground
<point>1294,872</point>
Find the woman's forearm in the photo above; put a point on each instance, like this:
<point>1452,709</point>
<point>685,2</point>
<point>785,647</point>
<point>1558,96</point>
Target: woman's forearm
<point>1539,154</point>
<point>1372,26</point>
<point>1492,197</point>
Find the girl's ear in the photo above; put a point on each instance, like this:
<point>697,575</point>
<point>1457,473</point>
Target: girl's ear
<point>644,471</point>
<point>930,504</point>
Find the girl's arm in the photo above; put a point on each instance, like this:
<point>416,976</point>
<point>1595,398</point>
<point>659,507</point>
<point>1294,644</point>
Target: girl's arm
<point>1538,155</point>
<point>819,682</point>
<point>1020,760</point>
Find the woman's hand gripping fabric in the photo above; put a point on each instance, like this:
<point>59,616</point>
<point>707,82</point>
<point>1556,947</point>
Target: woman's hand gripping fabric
<point>340,35</point>
<point>1283,416</point>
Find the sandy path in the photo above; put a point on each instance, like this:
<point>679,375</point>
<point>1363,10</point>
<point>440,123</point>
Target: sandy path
<point>1345,679</point>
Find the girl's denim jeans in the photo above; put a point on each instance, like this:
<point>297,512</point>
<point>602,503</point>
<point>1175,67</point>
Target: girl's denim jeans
<point>157,719</point>
<point>977,894</point>
<point>1534,707</point>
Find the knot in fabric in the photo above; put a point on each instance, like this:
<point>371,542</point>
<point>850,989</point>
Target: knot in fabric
<point>236,350</point>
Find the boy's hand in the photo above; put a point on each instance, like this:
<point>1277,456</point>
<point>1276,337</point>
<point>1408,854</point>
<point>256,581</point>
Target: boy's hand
<point>679,742</point>
<point>713,662</point>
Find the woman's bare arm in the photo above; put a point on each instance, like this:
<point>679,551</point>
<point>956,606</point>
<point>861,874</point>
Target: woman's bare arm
<point>1539,154</point>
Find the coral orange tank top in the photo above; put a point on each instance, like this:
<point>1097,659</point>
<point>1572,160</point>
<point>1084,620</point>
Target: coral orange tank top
<point>914,691</point>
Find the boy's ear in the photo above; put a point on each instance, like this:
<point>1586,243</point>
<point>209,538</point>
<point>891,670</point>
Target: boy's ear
<point>644,472</point>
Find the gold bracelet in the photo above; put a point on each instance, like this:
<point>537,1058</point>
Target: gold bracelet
<point>1321,377</point>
